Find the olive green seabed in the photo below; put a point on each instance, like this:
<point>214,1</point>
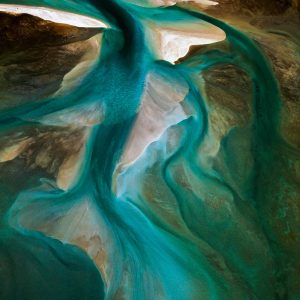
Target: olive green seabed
<point>149,150</point>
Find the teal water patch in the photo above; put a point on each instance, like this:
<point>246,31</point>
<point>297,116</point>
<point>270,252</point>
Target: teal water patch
<point>36,267</point>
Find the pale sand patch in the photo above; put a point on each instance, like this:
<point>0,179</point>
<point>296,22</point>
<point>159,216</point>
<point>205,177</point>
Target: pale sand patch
<point>54,15</point>
<point>172,42</point>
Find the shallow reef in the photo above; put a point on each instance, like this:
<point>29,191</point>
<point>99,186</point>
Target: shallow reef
<point>149,150</point>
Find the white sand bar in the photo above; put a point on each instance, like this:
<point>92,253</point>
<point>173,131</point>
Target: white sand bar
<point>54,15</point>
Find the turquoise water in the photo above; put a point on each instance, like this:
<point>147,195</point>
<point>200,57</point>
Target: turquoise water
<point>153,256</point>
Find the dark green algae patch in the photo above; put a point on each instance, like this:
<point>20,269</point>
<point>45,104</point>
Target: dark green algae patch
<point>178,228</point>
